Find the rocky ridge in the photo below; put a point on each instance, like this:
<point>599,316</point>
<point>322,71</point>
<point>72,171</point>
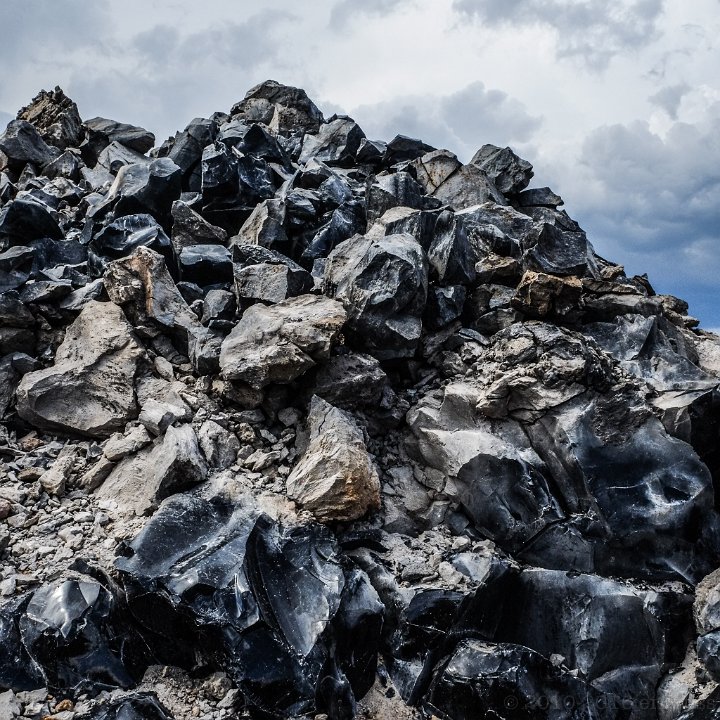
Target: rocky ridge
<point>295,423</point>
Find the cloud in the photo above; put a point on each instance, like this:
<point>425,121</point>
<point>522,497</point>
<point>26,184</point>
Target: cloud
<point>669,98</point>
<point>654,201</point>
<point>44,26</point>
<point>5,118</point>
<point>346,10</point>
<point>461,121</point>
<point>592,30</point>
<point>169,77</point>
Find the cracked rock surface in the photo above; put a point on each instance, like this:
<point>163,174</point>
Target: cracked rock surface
<point>295,423</point>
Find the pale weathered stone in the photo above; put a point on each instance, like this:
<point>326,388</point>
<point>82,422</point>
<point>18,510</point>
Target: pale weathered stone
<point>89,389</point>
<point>335,479</point>
<point>279,343</point>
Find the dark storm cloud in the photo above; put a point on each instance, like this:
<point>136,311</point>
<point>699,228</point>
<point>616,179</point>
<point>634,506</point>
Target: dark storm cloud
<point>346,10</point>
<point>592,30</point>
<point>654,202</point>
<point>461,122</point>
<point>669,98</point>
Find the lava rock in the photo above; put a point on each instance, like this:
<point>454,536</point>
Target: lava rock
<point>382,282</point>
<point>336,142</point>
<point>21,144</point>
<point>101,132</point>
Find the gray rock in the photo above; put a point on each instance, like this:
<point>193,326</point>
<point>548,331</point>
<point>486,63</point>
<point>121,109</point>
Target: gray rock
<point>190,228</point>
<point>56,118</point>
<point>265,282</point>
<point>119,445</point>
<point>54,479</point>
<point>336,142</point>
<point>141,481</point>
<point>219,445</point>
<point>265,226</point>
<point>510,173</point>
<point>282,108</point>
<point>335,478</point>
<point>280,342</point>
<point>157,417</point>
<point>88,390</point>
<point>218,305</point>
<point>142,285</point>
<point>466,187</point>
<point>9,705</point>
<point>434,168</point>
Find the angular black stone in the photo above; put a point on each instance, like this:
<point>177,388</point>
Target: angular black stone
<point>150,188</point>
<point>15,267</point>
<point>507,681</point>
<point>137,706</point>
<point>283,108</point>
<point>70,636</point>
<point>124,235</point>
<point>383,284</point>
<point>345,221</point>
<point>402,148</point>
<point>336,143</point>
<point>389,191</point>
<point>21,144</point>
<point>206,264</point>
<point>101,132</point>
<point>25,219</point>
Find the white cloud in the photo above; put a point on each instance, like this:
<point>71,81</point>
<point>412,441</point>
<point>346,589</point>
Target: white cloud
<point>461,121</point>
<point>593,30</point>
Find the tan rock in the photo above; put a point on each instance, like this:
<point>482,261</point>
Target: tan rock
<point>335,479</point>
<point>89,389</point>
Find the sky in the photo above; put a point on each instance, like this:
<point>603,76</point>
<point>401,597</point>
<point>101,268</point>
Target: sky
<point>615,102</point>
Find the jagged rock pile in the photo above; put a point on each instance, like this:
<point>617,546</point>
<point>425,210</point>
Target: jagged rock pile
<point>296,423</point>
